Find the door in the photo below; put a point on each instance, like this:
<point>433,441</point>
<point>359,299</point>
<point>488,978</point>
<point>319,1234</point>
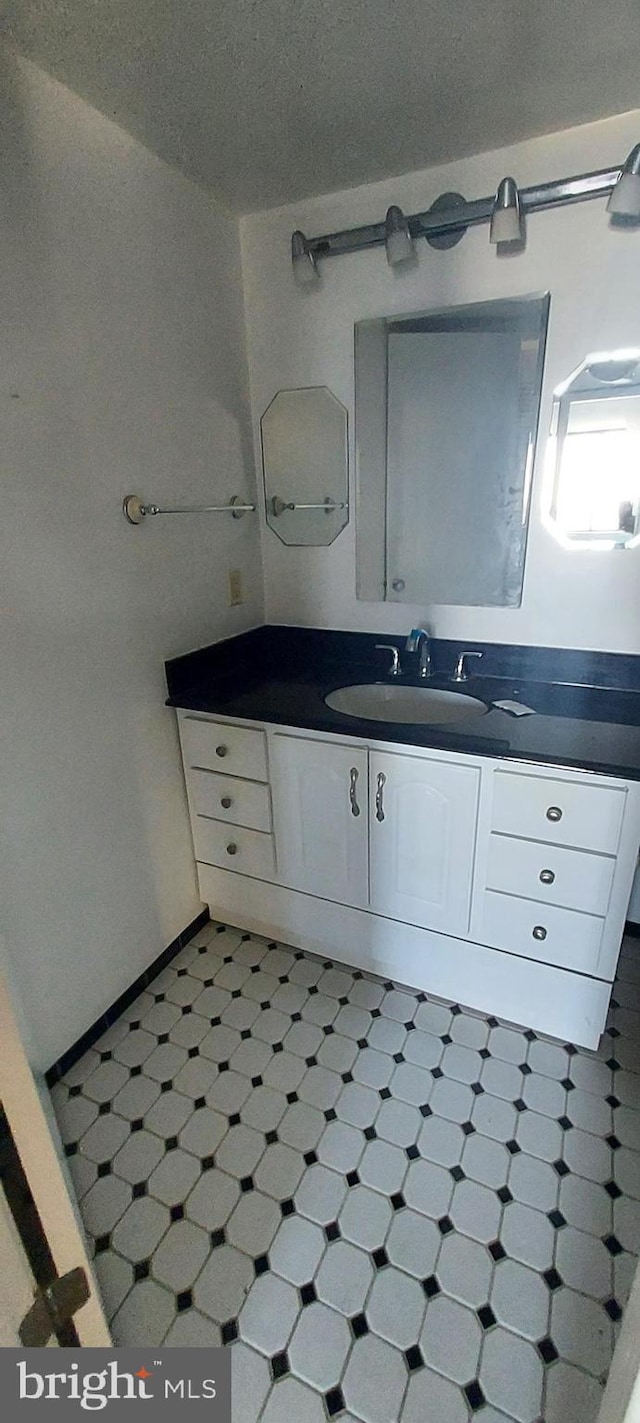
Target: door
<point>45,1241</point>
<point>320,803</point>
<point>621,1402</point>
<point>17,1284</point>
<point>423,826</point>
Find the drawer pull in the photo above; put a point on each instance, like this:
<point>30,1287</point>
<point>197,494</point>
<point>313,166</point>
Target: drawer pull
<point>232,849</point>
<point>554,813</point>
<point>539,932</point>
<point>226,802</point>
<point>222,751</point>
<point>379,795</point>
<point>547,877</point>
<point>353,799</point>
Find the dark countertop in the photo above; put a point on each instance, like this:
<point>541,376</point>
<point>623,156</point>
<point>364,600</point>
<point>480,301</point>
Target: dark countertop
<point>276,676</point>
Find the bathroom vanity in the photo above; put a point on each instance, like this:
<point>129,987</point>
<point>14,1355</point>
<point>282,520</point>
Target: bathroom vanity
<point>445,858</point>
<point>378,802</point>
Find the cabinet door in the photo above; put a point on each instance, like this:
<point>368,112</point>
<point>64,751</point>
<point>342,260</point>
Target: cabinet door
<point>423,825</point>
<point>320,805</point>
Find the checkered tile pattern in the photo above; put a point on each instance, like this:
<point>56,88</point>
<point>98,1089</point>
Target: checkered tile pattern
<point>391,1208</point>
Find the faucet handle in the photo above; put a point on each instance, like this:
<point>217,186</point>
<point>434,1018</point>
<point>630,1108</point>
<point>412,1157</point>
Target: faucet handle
<point>394,670</point>
<point>460,675</point>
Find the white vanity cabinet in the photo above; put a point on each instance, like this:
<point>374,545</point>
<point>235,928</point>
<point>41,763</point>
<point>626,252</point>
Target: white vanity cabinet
<point>422,839</point>
<point>555,849</point>
<point>321,810</point>
<point>499,884</point>
<point>229,796</point>
<point>389,832</point>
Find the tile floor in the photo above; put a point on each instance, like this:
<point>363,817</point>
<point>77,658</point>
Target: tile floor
<point>393,1210</point>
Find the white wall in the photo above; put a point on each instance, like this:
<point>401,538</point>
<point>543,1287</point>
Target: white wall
<point>574,598</point>
<point>123,368</point>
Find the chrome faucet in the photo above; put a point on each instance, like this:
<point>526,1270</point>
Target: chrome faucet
<point>419,641</point>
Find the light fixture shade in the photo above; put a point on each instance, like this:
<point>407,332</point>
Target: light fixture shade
<point>398,239</point>
<point>305,270</point>
<point>506,218</point>
<point>624,200</point>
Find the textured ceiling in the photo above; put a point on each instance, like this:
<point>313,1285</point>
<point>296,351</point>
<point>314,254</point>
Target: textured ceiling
<point>272,100</point>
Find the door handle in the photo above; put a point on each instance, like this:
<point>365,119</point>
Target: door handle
<point>379,795</point>
<point>353,781</point>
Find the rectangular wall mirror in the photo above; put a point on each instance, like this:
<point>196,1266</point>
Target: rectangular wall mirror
<point>447,406</point>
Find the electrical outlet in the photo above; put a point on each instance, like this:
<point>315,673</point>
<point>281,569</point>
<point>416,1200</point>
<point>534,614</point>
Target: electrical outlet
<point>236,593</point>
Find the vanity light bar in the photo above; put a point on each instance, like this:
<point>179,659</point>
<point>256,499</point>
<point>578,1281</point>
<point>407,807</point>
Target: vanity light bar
<point>135,511</point>
<point>445,222</point>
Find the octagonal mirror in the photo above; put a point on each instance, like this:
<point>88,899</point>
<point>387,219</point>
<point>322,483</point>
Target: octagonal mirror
<point>305,464</point>
<point>593,477</point>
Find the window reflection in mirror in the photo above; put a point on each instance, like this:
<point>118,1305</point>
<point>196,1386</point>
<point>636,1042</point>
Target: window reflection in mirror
<point>447,407</point>
<point>593,498</point>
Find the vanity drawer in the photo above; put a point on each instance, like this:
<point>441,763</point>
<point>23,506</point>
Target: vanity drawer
<point>216,746</point>
<point>564,937</point>
<point>558,812</point>
<point>231,799</point>
<point>573,879</point>
<point>248,851</point>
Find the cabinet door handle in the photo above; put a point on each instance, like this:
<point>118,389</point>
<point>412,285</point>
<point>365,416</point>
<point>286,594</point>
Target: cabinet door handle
<point>379,795</point>
<point>221,750</point>
<point>353,781</point>
<point>539,932</point>
<point>554,813</point>
<point>232,849</point>
<point>226,802</point>
<point>547,877</point>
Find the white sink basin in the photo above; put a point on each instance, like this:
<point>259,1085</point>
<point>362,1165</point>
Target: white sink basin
<point>388,701</point>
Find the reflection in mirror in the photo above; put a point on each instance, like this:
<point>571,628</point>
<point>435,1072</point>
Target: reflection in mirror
<point>447,408</point>
<point>305,465</point>
<point>594,454</point>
